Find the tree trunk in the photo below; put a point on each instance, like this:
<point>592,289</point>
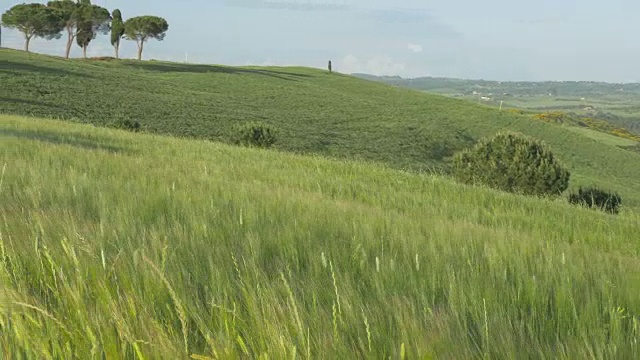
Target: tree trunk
<point>140,48</point>
<point>70,39</point>
<point>117,46</point>
<point>27,41</point>
<point>84,51</point>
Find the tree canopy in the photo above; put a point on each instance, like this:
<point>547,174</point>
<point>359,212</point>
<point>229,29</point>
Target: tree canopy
<point>81,18</point>
<point>143,28</point>
<point>93,19</point>
<point>117,30</point>
<point>83,21</point>
<point>70,17</point>
<point>33,20</point>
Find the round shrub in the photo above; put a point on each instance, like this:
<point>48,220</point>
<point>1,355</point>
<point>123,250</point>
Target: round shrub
<point>255,134</point>
<point>513,163</point>
<point>595,198</point>
<point>126,124</point>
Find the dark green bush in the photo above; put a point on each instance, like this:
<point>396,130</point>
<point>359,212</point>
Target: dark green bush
<point>595,198</point>
<point>513,163</point>
<point>126,124</point>
<point>255,134</point>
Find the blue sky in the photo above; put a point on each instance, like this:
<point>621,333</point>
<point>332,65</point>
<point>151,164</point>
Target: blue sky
<point>488,39</point>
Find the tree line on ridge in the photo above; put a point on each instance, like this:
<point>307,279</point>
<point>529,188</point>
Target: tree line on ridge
<point>82,22</point>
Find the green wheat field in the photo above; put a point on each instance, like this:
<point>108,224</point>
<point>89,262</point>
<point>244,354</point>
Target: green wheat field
<point>127,245</point>
<point>120,245</point>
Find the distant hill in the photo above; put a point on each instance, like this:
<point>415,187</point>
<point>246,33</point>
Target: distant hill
<point>618,104</point>
<point>332,115</point>
<point>513,88</point>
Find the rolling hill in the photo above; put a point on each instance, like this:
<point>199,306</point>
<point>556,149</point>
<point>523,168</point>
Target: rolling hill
<point>616,103</point>
<point>444,85</point>
<point>316,113</point>
<point>122,245</point>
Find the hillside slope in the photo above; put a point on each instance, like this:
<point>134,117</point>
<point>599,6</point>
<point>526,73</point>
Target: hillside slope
<point>120,245</point>
<point>331,115</point>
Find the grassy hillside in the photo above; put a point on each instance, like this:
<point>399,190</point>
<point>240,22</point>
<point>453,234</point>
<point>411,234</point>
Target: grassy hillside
<point>136,246</point>
<point>331,115</point>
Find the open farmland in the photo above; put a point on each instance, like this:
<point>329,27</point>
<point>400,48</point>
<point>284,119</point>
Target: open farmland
<point>123,245</point>
<point>190,205</point>
<point>615,103</point>
<point>335,115</point>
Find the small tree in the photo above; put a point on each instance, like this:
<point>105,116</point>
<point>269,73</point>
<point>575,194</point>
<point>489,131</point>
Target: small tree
<point>117,30</point>
<point>70,17</point>
<point>595,198</point>
<point>84,37</point>
<point>33,20</point>
<point>93,20</point>
<point>512,163</point>
<point>142,28</point>
<point>255,134</point>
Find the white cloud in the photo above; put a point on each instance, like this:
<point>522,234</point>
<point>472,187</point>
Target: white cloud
<point>349,64</point>
<point>381,66</point>
<point>416,48</point>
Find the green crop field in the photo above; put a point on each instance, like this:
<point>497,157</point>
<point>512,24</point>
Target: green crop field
<point>347,239</point>
<point>122,245</point>
<point>316,113</point>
